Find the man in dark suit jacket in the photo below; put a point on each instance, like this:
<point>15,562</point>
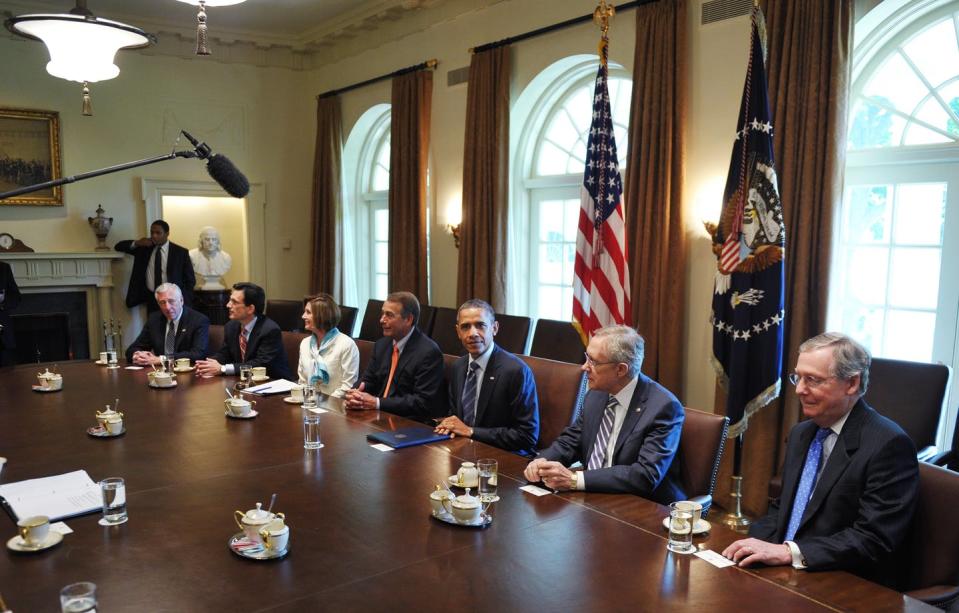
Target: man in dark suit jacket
<point>9,300</point>
<point>498,404</point>
<point>175,266</point>
<point>262,342</point>
<point>850,476</point>
<point>405,373</point>
<point>188,331</point>
<point>627,433</point>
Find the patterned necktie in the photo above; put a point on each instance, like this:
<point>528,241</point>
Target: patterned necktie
<point>597,459</point>
<point>157,268</point>
<point>170,342</point>
<point>243,345</point>
<point>393,361</point>
<point>806,482</point>
<point>469,395</point>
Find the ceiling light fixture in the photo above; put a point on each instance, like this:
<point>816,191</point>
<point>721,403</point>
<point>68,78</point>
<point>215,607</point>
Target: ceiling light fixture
<point>201,48</point>
<point>82,46</point>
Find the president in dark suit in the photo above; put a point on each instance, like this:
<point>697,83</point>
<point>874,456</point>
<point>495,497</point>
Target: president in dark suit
<point>492,393</point>
<point>627,433</point>
<point>156,260</point>
<point>405,373</point>
<point>249,338</point>
<point>175,330</point>
<point>9,299</point>
<point>850,475</point>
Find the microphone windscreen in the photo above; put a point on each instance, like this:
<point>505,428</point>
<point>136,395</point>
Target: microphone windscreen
<point>228,176</point>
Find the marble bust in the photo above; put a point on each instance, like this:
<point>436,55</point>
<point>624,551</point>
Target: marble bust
<point>210,263</point>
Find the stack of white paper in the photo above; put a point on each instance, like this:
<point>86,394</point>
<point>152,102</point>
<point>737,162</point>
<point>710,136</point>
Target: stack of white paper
<point>57,497</point>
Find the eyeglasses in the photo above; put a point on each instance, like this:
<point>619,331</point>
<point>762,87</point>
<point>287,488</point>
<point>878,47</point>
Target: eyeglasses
<point>809,380</point>
<point>591,363</point>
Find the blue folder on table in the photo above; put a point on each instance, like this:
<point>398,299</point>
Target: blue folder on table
<point>408,437</point>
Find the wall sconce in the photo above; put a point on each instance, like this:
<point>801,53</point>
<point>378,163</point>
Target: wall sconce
<point>454,219</point>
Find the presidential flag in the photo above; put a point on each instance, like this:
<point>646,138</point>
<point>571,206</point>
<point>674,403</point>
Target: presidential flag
<point>601,272</point>
<point>748,302</point>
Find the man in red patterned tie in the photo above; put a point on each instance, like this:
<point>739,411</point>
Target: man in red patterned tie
<point>249,338</point>
<point>405,373</point>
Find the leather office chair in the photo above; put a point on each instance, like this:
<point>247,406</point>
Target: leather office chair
<point>700,451</point>
<point>444,331</point>
<point>291,344</point>
<point>347,319</point>
<point>215,340</point>
<point>930,568</point>
<point>949,459</point>
<point>557,340</point>
<point>288,314</point>
<point>425,321</point>
<point>370,329</point>
<point>513,335</point>
<point>561,387</point>
<point>366,353</point>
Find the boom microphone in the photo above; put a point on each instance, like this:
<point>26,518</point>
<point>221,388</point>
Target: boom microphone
<point>221,169</point>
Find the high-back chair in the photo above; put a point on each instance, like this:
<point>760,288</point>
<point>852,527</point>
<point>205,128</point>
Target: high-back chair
<point>557,340</point>
<point>561,387</point>
<point>288,314</point>
<point>215,339</point>
<point>370,329</point>
<point>513,335</point>
<point>700,451</point>
<point>347,319</point>
<point>425,321</point>
<point>444,331</point>
<point>366,354</point>
<point>291,344</point>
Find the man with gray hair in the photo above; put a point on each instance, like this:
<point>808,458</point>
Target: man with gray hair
<point>174,330</point>
<point>627,434</point>
<point>850,475</point>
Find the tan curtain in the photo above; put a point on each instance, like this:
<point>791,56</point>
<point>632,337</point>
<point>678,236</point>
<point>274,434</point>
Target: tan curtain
<point>324,276</point>
<point>655,230</point>
<point>409,151</point>
<point>482,253</point>
<point>810,52</point>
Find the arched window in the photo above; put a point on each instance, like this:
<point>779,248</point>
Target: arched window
<point>366,164</point>
<point>554,113</point>
<point>895,280</point>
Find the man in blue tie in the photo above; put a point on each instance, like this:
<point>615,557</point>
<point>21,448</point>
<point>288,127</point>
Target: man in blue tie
<point>492,393</point>
<point>627,433</point>
<point>850,475</point>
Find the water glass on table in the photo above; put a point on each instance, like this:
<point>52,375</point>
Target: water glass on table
<point>311,427</point>
<point>680,528</point>
<point>79,598</point>
<point>246,373</point>
<point>487,469</point>
<point>114,494</point>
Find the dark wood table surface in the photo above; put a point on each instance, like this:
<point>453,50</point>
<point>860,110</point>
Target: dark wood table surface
<point>361,532</point>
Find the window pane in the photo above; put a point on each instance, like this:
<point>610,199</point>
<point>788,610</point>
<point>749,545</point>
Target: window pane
<point>580,108</point>
<point>551,220</point>
<point>550,302</point>
<point>933,113</point>
<point>569,260</point>
<point>869,213</point>
<point>571,209</point>
<point>562,131</point>
<point>381,179</point>
<point>921,135</point>
<point>382,258</point>
<point>909,335</point>
<point>896,82</point>
<point>551,160</point>
<point>551,263</point>
<point>920,213</point>
<point>864,324</point>
<point>934,52</point>
<point>381,225</point>
<point>382,283</point>
<point>914,278</point>
<point>950,94</point>
<point>867,274</point>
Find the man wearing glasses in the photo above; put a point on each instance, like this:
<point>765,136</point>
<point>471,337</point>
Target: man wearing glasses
<point>850,475</point>
<point>627,433</point>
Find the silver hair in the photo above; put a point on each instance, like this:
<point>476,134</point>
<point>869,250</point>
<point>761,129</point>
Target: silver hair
<point>849,357</point>
<point>624,345</point>
<point>169,287</point>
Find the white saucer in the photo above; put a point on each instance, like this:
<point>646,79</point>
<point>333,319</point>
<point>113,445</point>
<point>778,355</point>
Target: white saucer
<point>242,547</point>
<point>101,432</point>
<point>292,400</point>
<point>187,369</point>
<point>481,522</point>
<point>700,527</point>
<point>45,390</point>
<point>253,413</point>
<point>18,544</point>
<point>161,387</point>
<point>259,379</point>
<point>455,482</point>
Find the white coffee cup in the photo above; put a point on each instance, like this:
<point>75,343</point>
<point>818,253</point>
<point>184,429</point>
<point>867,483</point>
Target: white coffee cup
<point>34,530</point>
<point>104,357</point>
<point>276,535</point>
<point>467,475</point>
<point>3,461</point>
<point>238,407</point>
<point>440,502</point>
<point>161,379</point>
<point>296,393</point>
<point>183,363</point>
<point>694,507</point>
<point>114,425</point>
<point>259,372</point>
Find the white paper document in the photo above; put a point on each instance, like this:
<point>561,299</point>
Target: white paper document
<point>382,447</point>
<point>714,558</point>
<point>280,386</point>
<point>57,497</point>
<point>535,490</point>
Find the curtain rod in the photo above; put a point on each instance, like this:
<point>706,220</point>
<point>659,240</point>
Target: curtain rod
<point>428,64</point>
<point>556,26</point>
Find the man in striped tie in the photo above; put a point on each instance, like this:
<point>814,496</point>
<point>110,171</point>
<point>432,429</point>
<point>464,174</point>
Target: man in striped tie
<point>627,433</point>
<point>174,330</point>
<point>850,476</point>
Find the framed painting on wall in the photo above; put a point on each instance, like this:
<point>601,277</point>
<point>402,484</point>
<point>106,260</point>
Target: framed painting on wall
<point>30,154</point>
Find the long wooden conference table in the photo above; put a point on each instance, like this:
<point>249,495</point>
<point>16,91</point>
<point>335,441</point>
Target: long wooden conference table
<point>361,532</point>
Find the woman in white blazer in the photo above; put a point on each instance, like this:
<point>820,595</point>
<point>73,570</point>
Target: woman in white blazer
<point>329,359</point>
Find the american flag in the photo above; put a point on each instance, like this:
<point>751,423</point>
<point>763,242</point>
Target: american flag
<point>749,297</point>
<point>601,272</point>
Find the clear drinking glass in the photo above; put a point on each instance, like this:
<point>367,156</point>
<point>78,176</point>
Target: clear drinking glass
<point>112,357</point>
<point>114,494</point>
<point>246,373</point>
<point>79,598</point>
<point>680,529</point>
<point>487,480</point>
<point>309,396</point>
<point>311,428</point>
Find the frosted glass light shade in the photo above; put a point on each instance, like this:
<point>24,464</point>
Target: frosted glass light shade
<point>213,2</point>
<point>81,48</point>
